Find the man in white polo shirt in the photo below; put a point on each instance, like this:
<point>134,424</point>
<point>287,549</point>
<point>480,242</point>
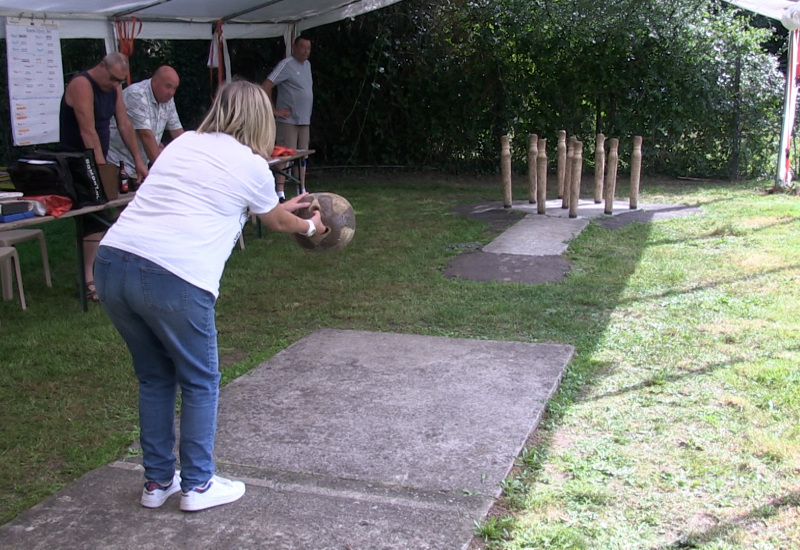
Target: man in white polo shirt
<point>151,107</point>
<point>292,77</point>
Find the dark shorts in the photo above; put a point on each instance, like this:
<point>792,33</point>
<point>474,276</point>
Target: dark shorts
<point>92,225</point>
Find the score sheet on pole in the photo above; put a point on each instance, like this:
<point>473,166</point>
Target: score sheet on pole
<point>35,80</point>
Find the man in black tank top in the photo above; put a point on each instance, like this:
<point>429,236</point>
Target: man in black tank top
<point>91,98</point>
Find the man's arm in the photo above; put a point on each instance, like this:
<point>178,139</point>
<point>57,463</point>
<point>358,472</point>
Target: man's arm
<point>80,96</point>
<point>128,135</point>
<point>269,86</point>
<point>151,147</point>
<point>174,126</point>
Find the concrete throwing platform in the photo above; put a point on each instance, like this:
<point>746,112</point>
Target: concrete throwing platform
<point>537,236</point>
<point>547,234</point>
<point>346,440</point>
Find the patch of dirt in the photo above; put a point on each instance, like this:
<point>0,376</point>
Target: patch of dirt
<point>508,268</point>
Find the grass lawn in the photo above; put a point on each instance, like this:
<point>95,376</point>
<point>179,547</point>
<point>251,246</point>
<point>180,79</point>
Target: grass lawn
<point>676,425</point>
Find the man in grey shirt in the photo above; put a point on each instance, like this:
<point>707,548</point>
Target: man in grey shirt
<point>292,77</point>
<point>150,105</point>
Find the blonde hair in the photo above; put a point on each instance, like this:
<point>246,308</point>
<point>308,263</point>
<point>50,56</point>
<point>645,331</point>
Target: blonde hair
<point>242,110</point>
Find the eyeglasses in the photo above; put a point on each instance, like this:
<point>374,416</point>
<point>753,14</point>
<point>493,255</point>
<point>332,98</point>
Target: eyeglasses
<point>114,79</point>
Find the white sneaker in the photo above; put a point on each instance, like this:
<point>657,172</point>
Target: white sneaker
<point>155,495</point>
<point>215,492</point>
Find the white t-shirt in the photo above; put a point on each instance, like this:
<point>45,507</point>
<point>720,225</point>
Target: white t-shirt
<point>189,212</point>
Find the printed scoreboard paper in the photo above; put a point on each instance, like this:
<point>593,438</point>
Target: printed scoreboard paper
<point>35,80</point>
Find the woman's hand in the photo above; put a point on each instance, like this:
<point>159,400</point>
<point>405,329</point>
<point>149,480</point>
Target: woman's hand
<point>282,217</point>
<point>294,204</point>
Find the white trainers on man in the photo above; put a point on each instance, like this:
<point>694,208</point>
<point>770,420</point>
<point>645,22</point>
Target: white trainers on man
<point>215,492</point>
<point>156,494</point>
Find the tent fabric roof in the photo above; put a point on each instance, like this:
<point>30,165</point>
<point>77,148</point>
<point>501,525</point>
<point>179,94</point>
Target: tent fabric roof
<point>192,19</point>
<point>770,8</point>
<point>188,19</point>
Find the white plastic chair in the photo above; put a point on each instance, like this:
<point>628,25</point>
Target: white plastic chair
<point>15,236</point>
<point>9,256</point>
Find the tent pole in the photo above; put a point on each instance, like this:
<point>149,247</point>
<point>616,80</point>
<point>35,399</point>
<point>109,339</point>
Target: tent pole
<point>111,39</point>
<point>789,106</point>
<point>289,35</point>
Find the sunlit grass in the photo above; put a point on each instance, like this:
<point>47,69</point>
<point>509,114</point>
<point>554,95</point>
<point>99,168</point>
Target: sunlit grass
<point>676,424</point>
<point>691,422</point>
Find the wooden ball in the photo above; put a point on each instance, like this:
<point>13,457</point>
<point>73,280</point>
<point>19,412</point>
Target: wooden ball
<point>337,216</point>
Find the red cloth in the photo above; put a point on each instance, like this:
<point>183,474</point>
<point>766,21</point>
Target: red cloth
<point>280,151</point>
<point>55,205</point>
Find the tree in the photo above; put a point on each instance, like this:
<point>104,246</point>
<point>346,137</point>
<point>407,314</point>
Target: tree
<point>444,80</point>
<point>425,83</point>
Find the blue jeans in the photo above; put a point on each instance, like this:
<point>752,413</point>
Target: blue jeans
<point>168,326</point>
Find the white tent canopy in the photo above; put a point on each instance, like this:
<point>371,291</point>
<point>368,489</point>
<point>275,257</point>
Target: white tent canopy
<point>770,8</point>
<point>188,19</point>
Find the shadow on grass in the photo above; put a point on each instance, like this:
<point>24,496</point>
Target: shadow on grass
<point>718,283</point>
<point>654,212</point>
<point>718,532</point>
<point>661,379</point>
<point>738,232</point>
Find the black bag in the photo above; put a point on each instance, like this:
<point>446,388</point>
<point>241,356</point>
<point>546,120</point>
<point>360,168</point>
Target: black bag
<point>71,174</point>
<point>86,178</point>
<point>36,176</point>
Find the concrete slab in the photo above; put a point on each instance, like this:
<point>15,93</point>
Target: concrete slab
<point>436,413</point>
<point>346,439</point>
<point>587,208</point>
<point>537,236</point>
<point>529,249</point>
<point>545,234</point>
<point>101,511</point>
